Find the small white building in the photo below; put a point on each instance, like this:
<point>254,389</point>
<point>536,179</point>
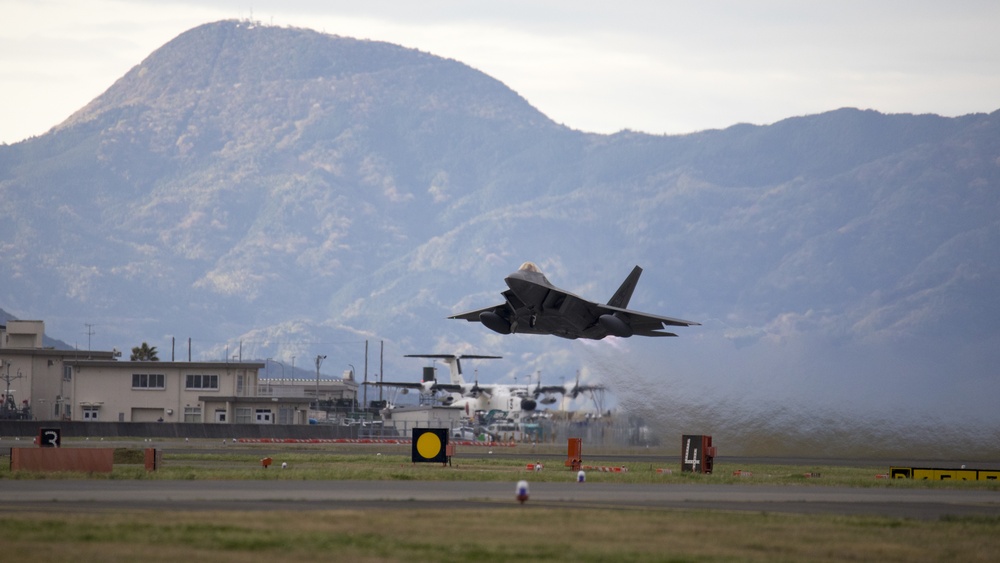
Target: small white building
<point>405,419</point>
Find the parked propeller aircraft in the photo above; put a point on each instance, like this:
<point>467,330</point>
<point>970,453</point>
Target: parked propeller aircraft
<point>513,398</point>
<point>534,306</point>
<point>472,396</point>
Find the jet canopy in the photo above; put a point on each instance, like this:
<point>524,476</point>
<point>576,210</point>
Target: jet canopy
<point>529,267</point>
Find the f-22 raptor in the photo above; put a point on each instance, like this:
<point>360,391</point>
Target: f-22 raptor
<point>534,306</point>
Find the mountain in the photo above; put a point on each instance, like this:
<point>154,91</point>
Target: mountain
<point>287,193</point>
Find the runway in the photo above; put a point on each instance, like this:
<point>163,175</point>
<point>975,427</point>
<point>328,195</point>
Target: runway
<point>91,495</point>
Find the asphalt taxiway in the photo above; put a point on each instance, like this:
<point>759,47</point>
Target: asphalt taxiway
<point>91,495</point>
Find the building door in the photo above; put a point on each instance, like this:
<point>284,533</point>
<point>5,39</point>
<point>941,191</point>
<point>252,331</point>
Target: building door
<point>220,415</point>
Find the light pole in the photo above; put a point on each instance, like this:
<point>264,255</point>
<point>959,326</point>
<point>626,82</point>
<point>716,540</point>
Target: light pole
<point>319,361</point>
<point>355,398</point>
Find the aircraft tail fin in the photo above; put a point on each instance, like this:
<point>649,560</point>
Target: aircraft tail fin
<point>454,362</point>
<point>621,297</point>
<point>455,369</point>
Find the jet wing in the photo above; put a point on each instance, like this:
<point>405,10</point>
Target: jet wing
<point>644,324</point>
<point>473,316</point>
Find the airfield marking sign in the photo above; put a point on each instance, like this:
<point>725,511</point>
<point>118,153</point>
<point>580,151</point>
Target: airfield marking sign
<point>429,445</point>
<point>49,437</point>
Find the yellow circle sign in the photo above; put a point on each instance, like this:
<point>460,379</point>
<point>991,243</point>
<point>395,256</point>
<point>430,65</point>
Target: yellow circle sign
<point>429,445</point>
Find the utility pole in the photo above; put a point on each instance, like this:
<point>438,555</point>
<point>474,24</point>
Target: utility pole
<point>90,332</point>
<point>319,361</point>
<point>364,405</point>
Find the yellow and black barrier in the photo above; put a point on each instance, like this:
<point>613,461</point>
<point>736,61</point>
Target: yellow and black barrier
<point>930,474</point>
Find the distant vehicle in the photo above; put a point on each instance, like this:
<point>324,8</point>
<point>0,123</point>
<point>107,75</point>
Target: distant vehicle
<point>505,431</point>
<point>464,433</point>
<point>534,306</point>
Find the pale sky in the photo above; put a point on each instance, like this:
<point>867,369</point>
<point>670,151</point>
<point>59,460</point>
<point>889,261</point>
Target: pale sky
<point>652,66</point>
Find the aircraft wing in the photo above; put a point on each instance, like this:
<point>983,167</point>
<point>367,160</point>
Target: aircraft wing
<point>547,389</point>
<point>401,384</point>
<point>644,324</point>
<point>428,386</point>
<point>572,392</point>
<point>475,389</point>
<point>473,316</point>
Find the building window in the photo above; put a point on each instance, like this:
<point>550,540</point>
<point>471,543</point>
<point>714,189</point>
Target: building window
<point>244,415</point>
<point>148,381</point>
<point>202,382</point>
<point>90,413</point>
<point>192,414</point>
<point>67,373</point>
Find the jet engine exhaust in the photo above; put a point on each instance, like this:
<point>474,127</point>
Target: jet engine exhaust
<point>614,325</point>
<point>494,322</point>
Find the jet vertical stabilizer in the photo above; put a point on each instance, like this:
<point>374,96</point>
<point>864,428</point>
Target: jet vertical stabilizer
<point>621,297</point>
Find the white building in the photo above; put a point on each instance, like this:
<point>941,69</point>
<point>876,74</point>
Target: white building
<point>224,392</point>
<point>93,386</point>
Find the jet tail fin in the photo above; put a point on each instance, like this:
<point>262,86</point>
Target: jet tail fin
<point>621,297</point>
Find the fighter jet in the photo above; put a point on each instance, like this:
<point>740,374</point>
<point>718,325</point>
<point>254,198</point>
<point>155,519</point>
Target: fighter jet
<point>534,306</point>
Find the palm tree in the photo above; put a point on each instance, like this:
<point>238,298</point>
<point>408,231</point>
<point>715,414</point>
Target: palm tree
<point>144,353</point>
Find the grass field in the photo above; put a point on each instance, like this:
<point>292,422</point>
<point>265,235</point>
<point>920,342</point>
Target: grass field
<point>517,533</point>
<point>508,534</point>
